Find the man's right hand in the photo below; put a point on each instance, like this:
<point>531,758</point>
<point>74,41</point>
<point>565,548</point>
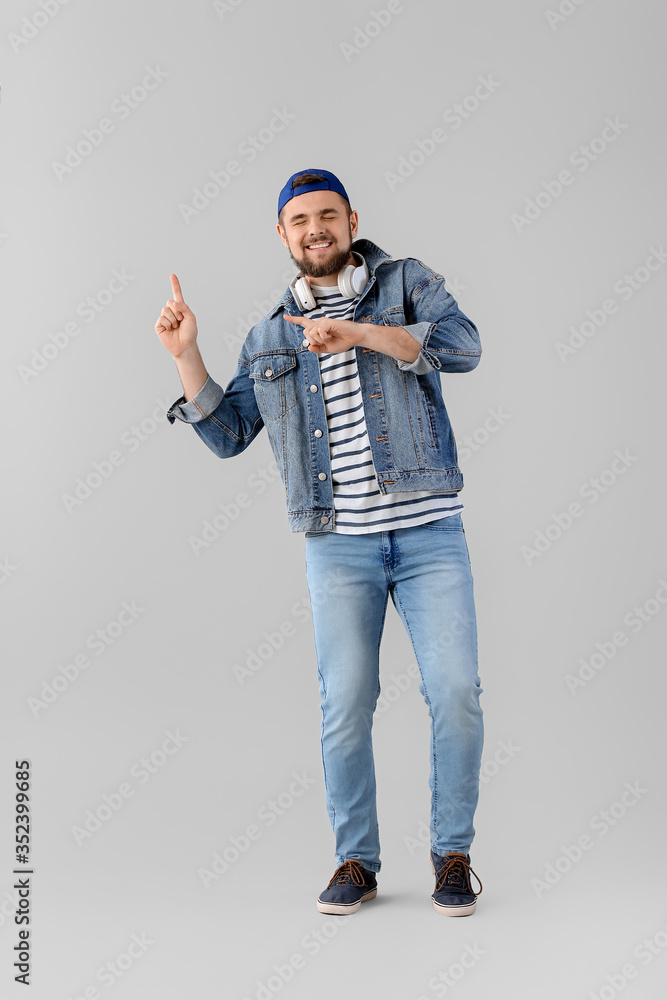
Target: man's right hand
<point>176,326</point>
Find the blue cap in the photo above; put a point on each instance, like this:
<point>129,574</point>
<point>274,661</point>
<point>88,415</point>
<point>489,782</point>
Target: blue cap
<point>329,182</point>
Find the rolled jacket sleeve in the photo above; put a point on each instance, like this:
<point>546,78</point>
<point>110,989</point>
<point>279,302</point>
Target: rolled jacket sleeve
<point>227,420</point>
<point>200,406</point>
<point>424,362</point>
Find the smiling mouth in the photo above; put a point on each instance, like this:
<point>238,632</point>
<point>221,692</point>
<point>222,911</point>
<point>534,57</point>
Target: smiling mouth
<point>320,248</point>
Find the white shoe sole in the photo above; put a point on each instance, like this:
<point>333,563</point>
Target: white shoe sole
<point>325,907</point>
<point>454,911</point>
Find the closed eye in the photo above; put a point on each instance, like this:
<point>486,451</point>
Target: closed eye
<point>301,221</point>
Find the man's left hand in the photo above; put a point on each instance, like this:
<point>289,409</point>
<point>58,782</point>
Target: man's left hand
<point>329,336</point>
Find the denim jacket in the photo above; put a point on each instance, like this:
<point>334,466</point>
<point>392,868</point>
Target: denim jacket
<point>277,384</point>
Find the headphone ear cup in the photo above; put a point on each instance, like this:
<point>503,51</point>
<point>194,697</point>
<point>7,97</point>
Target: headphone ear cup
<point>303,295</point>
<point>345,286</point>
<point>361,277</point>
<point>352,279</point>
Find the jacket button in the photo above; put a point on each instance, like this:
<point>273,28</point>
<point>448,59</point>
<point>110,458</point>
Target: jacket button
<point>305,342</point>
<point>324,519</point>
<point>313,388</point>
<point>268,372</point>
<point>318,433</point>
<point>322,475</point>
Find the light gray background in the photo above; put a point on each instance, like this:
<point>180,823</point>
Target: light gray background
<point>67,573</point>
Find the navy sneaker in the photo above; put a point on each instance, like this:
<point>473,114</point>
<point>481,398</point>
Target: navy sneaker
<point>453,893</point>
<point>350,886</point>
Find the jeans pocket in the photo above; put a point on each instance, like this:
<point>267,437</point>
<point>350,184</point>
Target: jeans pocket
<point>450,522</point>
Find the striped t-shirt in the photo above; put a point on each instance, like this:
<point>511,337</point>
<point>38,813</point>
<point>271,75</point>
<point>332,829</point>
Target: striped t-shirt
<point>359,505</point>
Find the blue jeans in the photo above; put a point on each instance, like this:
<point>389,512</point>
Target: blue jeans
<point>426,570</point>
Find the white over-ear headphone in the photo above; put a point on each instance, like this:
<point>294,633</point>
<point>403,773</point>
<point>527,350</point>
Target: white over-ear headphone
<point>351,281</point>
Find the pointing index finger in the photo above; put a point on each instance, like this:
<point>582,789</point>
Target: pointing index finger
<point>176,288</point>
<point>303,320</point>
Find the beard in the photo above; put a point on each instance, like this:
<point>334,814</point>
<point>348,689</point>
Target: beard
<point>336,258</point>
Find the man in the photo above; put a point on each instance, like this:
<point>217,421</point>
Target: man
<point>344,374</point>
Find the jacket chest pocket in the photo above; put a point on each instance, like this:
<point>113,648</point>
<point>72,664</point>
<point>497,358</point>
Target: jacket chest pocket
<point>274,375</point>
<point>394,316</point>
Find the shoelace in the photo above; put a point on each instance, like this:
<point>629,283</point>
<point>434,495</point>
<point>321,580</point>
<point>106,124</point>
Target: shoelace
<point>456,872</point>
<point>349,871</point>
